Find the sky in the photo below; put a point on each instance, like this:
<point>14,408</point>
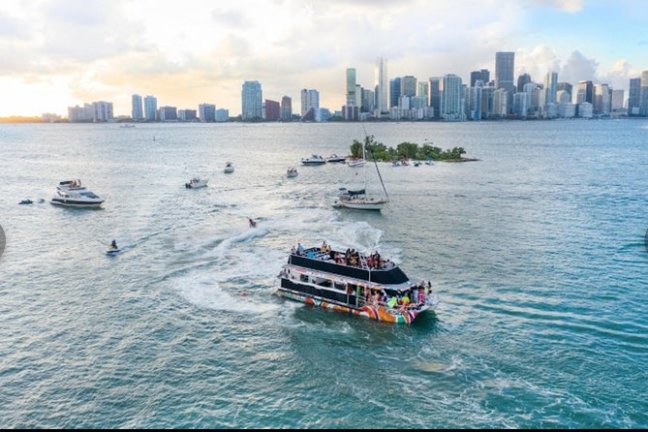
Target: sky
<point>59,53</point>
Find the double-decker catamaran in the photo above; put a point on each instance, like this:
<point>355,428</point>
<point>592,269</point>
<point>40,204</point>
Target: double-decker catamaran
<point>354,283</point>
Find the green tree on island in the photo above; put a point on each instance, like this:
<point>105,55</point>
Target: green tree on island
<point>405,150</point>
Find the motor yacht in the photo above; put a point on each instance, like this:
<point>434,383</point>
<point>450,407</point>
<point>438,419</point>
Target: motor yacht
<point>71,193</point>
<point>314,160</point>
<point>196,183</point>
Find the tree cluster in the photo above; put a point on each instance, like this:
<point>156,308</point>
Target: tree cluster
<point>404,150</point>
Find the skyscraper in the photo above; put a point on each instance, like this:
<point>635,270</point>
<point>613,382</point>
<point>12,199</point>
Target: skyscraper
<point>550,88</point>
<point>394,92</point>
<point>504,69</point>
<point>286,108</point>
<point>350,86</point>
<point>136,112</point>
<point>482,75</point>
<point>585,92</point>
<point>617,99</point>
<point>602,99</point>
<point>150,108</point>
<point>309,100</point>
<point>382,86</point>
<point>408,86</point>
<point>207,112</point>
<point>435,95</point>
<point>423,90</point>
<point>634,96</point>
<point>523,79</point>
<point>272,110</point>
<point>251,101</point>
<point>452,106</point>
<point>643,103</point>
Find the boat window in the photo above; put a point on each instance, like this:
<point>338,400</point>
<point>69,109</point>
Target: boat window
<point>303,278</point>
<point>339,286</point>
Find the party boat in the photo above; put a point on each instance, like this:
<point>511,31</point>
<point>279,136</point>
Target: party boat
<point>350,282</point>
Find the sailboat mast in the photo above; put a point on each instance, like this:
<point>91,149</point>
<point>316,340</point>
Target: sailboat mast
<point>364,168</point>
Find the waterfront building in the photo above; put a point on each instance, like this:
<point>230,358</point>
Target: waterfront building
<point>150,108</point>
<point>487,93</point>
<point>137,110</point>
<point>423,90</point>
<point>617,100</point>
<point>368,101</point>
<point>520,108</point>
<point>585,92</point>
<point>566,109</point>
<point>585,110</point>
<point>271,110</point>
<point>533,92</point>
<point>566,87</point>
<point>102,111</point>
<point>358,96</point>
<point>83,113</point>
<point>435,95</point>
<point>382,86</point>
<point>251,101</point>
<point>309,101</point>
<point>394,91</point>
<point>286,108</point>
<point>643,103</point>
<point>350,112</point>
<point>482,75</point>
<point>634,96</point>
<point>500,103</point>
<point>474,103</point>
<point>222,115</point>
<point>168,113</point>
<point>504,70</point>
<point>408,86</point>
<point>550,88</point>
<point>602,100</point>
<point>187,115</point>
<point>207,112</point>
<point>562,96</point>
<point>452,103</point>
<point>350,86</point>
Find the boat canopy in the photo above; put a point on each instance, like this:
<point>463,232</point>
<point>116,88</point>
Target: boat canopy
<point>356,192</point>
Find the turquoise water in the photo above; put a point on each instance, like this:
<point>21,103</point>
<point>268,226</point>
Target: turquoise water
<point>536,252</point>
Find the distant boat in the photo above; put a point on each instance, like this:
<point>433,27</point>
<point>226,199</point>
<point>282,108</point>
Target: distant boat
<point>71,193</point>
<point>356,163</point>
<point>196,183</point>
<point>229,168</point>
<point>291,173</point>
<point>127,125</point>
<point>313,160</point>
<point>335,158</point>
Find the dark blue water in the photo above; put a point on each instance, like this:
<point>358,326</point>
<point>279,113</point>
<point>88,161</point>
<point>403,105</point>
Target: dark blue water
<point>537,254</point>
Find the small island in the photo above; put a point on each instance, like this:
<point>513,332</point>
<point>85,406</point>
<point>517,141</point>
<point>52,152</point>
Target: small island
<point>407,150</point>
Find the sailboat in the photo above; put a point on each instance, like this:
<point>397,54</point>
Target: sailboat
<point>360,199</point>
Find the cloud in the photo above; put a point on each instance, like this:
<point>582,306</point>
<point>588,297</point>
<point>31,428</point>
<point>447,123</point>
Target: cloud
<point>578,67</point>
<point>565,5</point>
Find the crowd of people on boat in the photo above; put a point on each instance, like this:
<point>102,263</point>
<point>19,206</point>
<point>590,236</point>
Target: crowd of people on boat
<point>350,257</point>
<point>413,298</point>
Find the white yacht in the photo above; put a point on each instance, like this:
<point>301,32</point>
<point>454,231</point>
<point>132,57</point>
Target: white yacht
<point>229,168</point>
<point>356,163</point>
<point>196,183</point>
<point>314,160</point>
<point>334,158</point>
<point>291,173</point>
<point>71,193</point>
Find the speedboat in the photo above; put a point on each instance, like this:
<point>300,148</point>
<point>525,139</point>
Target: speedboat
<point>196,183</point>
<point>356,163</point>
<point>26,201</point>
<point>335,158</point>
<point>229,168</point>
<point>291,173</point>
<point>350,282</point>
<point>71,193</point>
<point>313,160</point>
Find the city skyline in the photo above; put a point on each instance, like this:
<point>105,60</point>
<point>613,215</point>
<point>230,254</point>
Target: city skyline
<point>200,53</point>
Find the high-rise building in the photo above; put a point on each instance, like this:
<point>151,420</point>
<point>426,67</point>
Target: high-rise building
<point>350,86</point>
<point>567,87</point>
<point>452,104</point>
<point>523,79</point>
<point>222,115</point>
<point>487,101</point>
<point>187,115</point>
<point>643,103</point>
<point>408,86</point>
<point>150,108</point>
<point>272,110</point>
<point>309,101</point>
<point>167,113</point>
<point>77,113</point>
<point>251,101</point>
<point>137,112</point>
<point>435,95</point>
<point>500,103</point>
<point>103,111</point>
<point>617,99</point>
<point>394,92</point>
<point>550,88</point>
<point>482,75</point>
<point>602,99</point>
<point>286,108</point>
<point>504,69</point>
<point>520,108</point>
<point>368,101</point>
<point>382,86</point>
<point>585,92</point>
<point>474,103</point>
<point>634,96</point>
<point>532,90</point>
<point>423,90</point>
<point>207,113</point>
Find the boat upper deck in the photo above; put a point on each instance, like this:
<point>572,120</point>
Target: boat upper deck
<point>354,265</point>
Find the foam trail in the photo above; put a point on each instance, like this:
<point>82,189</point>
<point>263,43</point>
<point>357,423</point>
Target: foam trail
<point>224,246</point>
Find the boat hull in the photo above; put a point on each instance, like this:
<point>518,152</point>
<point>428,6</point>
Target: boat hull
<point>75,203</point>
<point>313,162</point>
<point>376,313</point>
<point>359,205</point>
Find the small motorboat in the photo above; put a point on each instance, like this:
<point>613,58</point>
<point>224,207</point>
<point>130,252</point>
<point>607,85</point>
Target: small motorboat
<point>356,163</point>
<point>291,173</point>
<point>26,201</point>
<point>229,168</point>
<point>417,163</point>
<point>196,183</point>
<point>113,252</point>
<point>314,160</point>
<point>335,158</point>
